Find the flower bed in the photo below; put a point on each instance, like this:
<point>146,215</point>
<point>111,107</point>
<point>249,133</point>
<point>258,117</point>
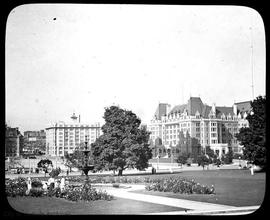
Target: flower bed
<point>110,179</point>
<point>179,185</point>
<point>18,187</point>
<point>172,184</point>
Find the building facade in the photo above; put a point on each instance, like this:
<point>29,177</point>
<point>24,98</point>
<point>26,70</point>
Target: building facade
<point>34,141</point>
<point>13,142</point>
<point>64,137</point>
<point>193,126</point>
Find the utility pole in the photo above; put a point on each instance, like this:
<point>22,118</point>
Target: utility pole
<point>252,59</point>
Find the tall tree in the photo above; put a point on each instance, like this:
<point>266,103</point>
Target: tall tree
<point>45,163</point>
<point>253,137</point>
<point>123,143</point>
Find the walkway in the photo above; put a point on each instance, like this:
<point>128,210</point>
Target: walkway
<point>193,207</point>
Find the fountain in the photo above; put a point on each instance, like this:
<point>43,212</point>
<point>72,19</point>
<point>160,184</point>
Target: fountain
<point>86,167</point>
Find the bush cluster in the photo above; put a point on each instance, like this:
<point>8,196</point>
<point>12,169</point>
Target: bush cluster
<point>84,192</point>
<point>55,172</point>
<point>172,184</point>
<point>110,179</point>
<point>36,183</point>
<point>16,187</point>
<point>179,185</point>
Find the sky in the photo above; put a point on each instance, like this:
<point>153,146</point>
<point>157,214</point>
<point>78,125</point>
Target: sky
<point>65,58</point>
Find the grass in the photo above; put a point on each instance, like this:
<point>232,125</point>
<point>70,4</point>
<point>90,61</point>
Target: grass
<point>233,187</point>
<point>57,206</point>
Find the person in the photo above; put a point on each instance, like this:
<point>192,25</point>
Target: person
<point>29,185</point>
<point>62,184</point>
<point>51,182</point>
<point>57,184</point>
<point>67,172</point>
<point>44,185</point>
<point>252,169</point>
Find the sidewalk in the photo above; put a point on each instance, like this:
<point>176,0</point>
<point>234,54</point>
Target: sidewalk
<point>192,207</point>
<point>181,203</point>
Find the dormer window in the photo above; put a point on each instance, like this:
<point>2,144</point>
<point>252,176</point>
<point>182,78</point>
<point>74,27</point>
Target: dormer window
<point>197,115</point>
<point>223,116</point>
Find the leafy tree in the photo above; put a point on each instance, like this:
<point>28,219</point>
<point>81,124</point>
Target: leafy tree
<point>203,160</point>
<point>182,158</point>
<point>55,172</point>
<point>253,137</point>
<point>45,163</point>
<point>77,158</point>
<point>209,152</point>
<point>212,157</point>
<point>123,144</point>
<point>228,157</point>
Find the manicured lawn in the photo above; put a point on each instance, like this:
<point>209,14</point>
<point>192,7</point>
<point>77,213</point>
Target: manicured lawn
<point>233,187</point>
<point>57,206</point>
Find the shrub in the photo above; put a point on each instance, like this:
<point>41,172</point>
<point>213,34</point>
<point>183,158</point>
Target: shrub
<point>179,185</point>
<point>36,192</point>
<point>85,192</point>
<point>36,183</point>
<point>55,172</point>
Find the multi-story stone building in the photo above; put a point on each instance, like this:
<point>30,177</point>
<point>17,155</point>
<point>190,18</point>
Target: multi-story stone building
<point>64,137</point>
<point>34,141</point>
<point>193,126</point>
<point>13,142</point>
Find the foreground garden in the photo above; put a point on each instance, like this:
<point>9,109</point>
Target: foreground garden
<point>228,187</point>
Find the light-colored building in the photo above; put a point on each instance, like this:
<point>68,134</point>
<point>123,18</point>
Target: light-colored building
<point>193,126</point>
<point>64,137</point>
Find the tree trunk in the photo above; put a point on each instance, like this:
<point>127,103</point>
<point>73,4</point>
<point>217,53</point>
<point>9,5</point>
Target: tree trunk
<point>120,172</point>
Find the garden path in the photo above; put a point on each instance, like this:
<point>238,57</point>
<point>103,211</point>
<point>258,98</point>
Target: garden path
<point>181,203</point>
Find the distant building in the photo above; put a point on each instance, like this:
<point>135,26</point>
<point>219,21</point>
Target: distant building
<point>243,109</point>
<point>192,126</point>
<point>62,137</point>
<point>13,142</point>
<point>34,141</point>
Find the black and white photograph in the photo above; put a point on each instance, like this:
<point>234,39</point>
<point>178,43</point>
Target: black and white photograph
<point>135,109</point>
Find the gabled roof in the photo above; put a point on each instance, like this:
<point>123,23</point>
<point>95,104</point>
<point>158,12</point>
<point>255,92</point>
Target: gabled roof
<point>206,110</point>
<point>225,110</point>
<point>178,109</point>
<point>243,107</point>
<point>195,104</point>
